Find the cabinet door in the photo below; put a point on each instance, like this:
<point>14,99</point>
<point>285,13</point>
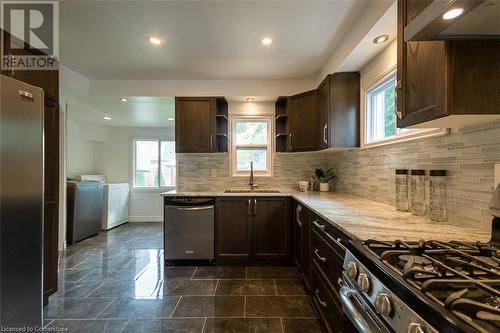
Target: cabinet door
<point>270,228</point>
<point>323,102</point>
<point>298,237</point>
<point>303,122</point>
<point>344,109</point>
<point>233,229</point>
<point>51,197</point>
<point>194,124</point>
<point>422,71</point>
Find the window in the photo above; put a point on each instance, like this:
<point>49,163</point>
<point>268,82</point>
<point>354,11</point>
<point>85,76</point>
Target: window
<point>380,115</point>
<point>251,142</point>
<point>154,163</point>
<point>381,108</point>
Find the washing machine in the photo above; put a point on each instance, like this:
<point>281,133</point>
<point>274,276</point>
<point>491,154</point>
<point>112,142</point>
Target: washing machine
<point>116,201</point>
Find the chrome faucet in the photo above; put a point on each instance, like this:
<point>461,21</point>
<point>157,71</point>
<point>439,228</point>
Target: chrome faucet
<point>252,183</point>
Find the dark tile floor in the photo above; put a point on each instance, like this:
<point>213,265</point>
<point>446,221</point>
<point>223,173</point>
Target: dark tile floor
<point>117,282</point>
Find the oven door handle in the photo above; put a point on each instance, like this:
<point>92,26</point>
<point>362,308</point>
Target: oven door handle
<point>346,297</point>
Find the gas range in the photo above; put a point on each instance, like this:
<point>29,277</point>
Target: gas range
<point>425,286</point>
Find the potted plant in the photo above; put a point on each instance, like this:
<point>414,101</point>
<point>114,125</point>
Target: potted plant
<point>323,177</point>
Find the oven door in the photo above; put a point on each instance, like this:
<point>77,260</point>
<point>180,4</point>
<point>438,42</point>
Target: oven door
<point>358,310</point>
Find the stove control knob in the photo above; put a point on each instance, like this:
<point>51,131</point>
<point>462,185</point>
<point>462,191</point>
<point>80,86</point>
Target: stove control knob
<point>352,270</point>
<point>415,328</point>
<point>383,305</point>
<point>364,283</point>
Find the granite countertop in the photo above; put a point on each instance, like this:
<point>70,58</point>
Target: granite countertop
<point>362,218</point>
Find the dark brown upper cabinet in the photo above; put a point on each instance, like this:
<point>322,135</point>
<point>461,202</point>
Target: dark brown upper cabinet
<point>327,117</point>
<point>302,122</point>
<point>339,105</point>
<point>252,229</point>
<point>442,83</point>
<point>201,125</point>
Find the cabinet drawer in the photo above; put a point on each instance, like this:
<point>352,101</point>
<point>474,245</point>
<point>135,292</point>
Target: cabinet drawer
<point>330,234</point>
<point>328,307</point>
<point>326,260</point>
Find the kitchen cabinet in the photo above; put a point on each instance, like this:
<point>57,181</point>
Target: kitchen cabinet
<point>302,242</point>
<point>444,83</point>
<point>339,109</point>
<point>302,122</point>
<point>252,228</point>
<point>233,228</point>
<point>194,124</point>
<point>48,80</point>
<point>327,253</point>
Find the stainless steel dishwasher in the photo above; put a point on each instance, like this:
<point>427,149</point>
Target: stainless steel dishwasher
<point>189,230</point>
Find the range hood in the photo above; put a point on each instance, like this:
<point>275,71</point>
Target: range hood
<point>477,19</point>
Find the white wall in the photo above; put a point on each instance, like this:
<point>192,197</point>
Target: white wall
<point>113,158</point>
<point>80,152</point>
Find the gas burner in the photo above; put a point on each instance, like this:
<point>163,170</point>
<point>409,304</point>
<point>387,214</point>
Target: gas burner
<point>463,278</point>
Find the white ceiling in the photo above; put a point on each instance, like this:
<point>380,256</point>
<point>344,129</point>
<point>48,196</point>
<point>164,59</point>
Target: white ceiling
<point>204,39</point>
<point>137,112</point>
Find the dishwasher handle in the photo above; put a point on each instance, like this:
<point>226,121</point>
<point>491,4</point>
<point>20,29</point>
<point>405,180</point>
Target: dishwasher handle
<point>195,208</point>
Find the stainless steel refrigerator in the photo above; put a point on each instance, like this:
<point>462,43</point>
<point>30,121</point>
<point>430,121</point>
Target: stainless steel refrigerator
<point>21,203</point>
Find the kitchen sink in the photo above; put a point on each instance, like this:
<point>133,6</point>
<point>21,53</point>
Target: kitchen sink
<point>251,191</point>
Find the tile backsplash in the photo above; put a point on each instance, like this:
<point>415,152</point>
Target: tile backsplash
<point>468,155</point>
<point>194,171</point>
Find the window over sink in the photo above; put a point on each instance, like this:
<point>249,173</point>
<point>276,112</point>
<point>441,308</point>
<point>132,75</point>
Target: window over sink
<point>251,142</point>
<point>154,163</point>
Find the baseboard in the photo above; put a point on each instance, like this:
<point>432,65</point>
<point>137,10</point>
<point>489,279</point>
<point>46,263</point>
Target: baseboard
<point>145,218</point>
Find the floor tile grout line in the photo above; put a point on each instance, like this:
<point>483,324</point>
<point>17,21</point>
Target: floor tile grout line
<point>87,295</point>
<point>282,326</point>
<point>203,327</point>
<point>245,307</point>
<point>106,307</point>
<point>216,286</point>
<point>50,322</point>
<point>83,277</point>
<point>123,328</point>
<point>194,272</point>
<point>175,307</point>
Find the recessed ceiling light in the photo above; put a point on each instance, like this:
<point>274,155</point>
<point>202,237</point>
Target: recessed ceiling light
<point>107,118</point>
<point>452,13</point>
<point>171,119</point>
<point>155,40</point>
<point>381,39</point>
<point>124,99</point>
<point>250,99</point>
<point>267,41</point>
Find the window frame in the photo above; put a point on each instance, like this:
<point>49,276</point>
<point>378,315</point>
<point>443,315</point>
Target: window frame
<point>269,146</point>
<point>416,133</point>
<point>133,166</point>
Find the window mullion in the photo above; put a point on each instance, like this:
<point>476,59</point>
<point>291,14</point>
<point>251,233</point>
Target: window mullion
<point>159,162</point>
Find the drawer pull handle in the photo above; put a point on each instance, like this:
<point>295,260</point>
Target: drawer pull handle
<point>322,303</point>
<point>319,226</point>
<point>316,252</point>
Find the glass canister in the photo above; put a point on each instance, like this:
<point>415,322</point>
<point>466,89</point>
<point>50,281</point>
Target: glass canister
<point>437,195</point>
<point>417,192</point>
<point>402,190</point>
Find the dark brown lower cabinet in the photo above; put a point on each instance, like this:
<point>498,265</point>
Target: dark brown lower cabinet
<point>270,228</point>
<point>233,229</point>
<point>252,228</point>
<point>302,242</point>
